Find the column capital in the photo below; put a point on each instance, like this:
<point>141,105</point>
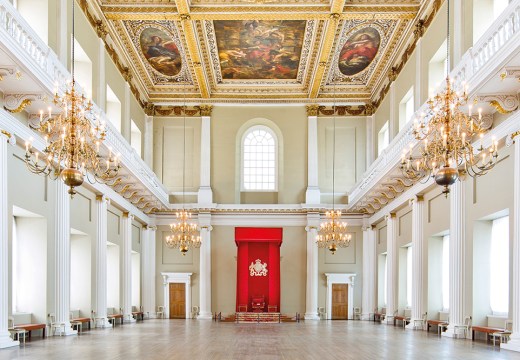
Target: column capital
<point>207,228</point>
<point>205,109</point>
<point>310,228</point>
<point>10,137</point>
<point>102,197</point>
<point>312,109</point>
<point>389,216</point>
<point>127,215</point>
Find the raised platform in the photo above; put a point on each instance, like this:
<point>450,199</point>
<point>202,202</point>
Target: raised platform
<point>259,317</point>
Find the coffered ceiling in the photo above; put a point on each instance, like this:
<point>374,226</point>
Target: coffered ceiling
<point>258,50</point>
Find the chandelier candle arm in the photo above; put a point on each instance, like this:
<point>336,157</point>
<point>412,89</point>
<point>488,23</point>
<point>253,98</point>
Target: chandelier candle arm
<point>72,140</point>
<point>446,134</point>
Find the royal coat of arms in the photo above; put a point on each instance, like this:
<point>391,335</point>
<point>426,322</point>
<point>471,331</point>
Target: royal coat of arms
<point>257,268</point>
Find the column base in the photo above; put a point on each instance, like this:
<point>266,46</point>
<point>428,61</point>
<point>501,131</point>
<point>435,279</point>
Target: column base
<point>513,344</point>
<point>366,317</point>
<point>452,333</point>
<point>389,320</point>
<point>313,196</point>
<point>129,319</point>
<point>412,326</point>
<point>68,331</point>
<point>205,195</point>
<point>311,316</point>
<point>6,341</point>
<point>102,323</point>
<point>205,316</point>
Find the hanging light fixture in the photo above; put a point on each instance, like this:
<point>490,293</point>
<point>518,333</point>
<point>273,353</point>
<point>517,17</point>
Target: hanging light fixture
<point>184,234</point>
<point>72,140</point>
<point>446,149</point>
<point>333,232</point>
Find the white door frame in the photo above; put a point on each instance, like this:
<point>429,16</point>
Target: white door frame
<point>340,279</point>
<point>170,277</point>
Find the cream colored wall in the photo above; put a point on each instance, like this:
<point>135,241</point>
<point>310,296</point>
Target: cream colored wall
<point>350,158</point>
<point>346,260</point>
<point>171,260</point>
<point>226,122</point>
<point>223,269</point>
<point>168,153</point>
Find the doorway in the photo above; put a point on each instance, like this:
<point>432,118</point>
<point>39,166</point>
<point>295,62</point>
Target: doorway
<point>177,301</point>
<point>339,301</point>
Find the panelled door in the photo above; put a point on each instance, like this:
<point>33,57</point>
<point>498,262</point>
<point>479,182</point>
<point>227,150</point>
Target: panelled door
<point>177,301</point>
<point>339,301</point>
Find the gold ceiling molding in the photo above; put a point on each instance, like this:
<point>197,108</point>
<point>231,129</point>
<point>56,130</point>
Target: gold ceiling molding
<point>177,110</point>
<point>346,110</point>
<point>312,109</point>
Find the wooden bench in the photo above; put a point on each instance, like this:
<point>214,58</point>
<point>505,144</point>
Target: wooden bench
<point>113,317</point>
<point>405,320</point>
<point>441,324</point>
<point>31,327</point>
<point>484,329</point>
<point>378,316</point>
<point>82,320</point>
<point>138,315</point>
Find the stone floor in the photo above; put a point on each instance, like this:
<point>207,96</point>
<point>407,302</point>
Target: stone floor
<point>192,339</point>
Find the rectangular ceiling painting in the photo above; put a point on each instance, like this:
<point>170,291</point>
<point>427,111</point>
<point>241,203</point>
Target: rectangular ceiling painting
<point>259,49</point>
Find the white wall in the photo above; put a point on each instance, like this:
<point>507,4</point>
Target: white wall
<point>30,275</point>
<point>80,274</point>
<point>113,276</point>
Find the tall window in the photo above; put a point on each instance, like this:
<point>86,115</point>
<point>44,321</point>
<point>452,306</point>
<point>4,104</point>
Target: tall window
<point>409,252</point>
<point>135,137</point>
<point>385,281</point>
<point>383,138</point>
<point>445,272</point>
<point>484,13</point>
<point>437,70</point>
<point>499,266</point>
<point>36,13</point>
<point>259,158</point>
<point>113,109</point>
<point>406,108</point>
<point>82,69</point>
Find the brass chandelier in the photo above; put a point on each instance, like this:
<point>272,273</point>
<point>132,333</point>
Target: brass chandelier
<point>446,149</point>
<point>72,140</point>
<point>333,232</point>
<point>184,234</point>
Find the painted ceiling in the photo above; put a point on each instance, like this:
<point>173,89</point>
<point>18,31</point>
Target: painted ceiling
<point>258,50</point>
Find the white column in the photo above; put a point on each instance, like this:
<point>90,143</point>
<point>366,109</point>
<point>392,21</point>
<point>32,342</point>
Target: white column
<point>392,258</point>
<point>62,256</point>
<point>205,267</point>
<point>205,195</point>
<point>311,298</point>
<point>151,264</point>
<point>370,140</point>
<point>457,255</point>
<point>101,99</point>
<point>99,251</point>
<point>312,196</point>
<point>369,273</point>
<point>148,140</point>
<point>126,268</point>
<point>5,339</point>
<point>514,343</point>
<point>419,259</point>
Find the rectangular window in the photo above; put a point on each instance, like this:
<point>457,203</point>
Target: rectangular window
<point>445,272</point>
<point>135,137</point>
<point>406,108</point>
<point>437,70</point>
<point>484,13</point>
<point>499,267</point>
<point>383,139</point>
<point>36,13</point>
<point>82,69</point>
<point>409,271</point>
<point>113,109</point>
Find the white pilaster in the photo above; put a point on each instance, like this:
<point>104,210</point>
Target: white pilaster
<point>148,264</point>
<point>148,140</point>
<point>99,283</point>
<point>457,255</point>
<point>311,299</point>
<point>62,256</point>
<point>370,140</point>
<point>5,339</point>
<point>126,268</point>
<point>205,195</point>
<point>514,342</point>
<point>392,258</point>
<point>419,258</point>
<point>393,121</point>
<point>369,273</point>
<point>205,267</point>
<point>312,195</point>
<point>101,99</point>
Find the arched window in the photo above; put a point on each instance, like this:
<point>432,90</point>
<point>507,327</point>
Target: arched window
<point>259,159</point>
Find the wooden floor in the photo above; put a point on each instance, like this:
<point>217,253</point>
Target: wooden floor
<point>192,339</point>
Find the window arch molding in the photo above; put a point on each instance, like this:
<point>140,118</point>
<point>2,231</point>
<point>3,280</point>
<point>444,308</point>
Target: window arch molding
<point>244,130</point>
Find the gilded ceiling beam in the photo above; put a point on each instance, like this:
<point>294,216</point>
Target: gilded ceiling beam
<point>190,34</point>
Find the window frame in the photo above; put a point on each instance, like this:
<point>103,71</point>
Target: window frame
<point>381,137</point>
<point>242,158</point>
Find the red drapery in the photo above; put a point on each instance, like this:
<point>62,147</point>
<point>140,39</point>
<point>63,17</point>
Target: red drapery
<point>263,244</point>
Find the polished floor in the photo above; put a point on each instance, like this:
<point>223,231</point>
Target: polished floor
<point>192,339</point>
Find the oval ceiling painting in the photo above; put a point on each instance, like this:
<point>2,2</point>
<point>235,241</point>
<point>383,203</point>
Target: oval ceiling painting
<point>359,51</point>
<point>161,51</point>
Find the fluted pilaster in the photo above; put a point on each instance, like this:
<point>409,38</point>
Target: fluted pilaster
<point>392,258</point>
<point>126,267</point>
